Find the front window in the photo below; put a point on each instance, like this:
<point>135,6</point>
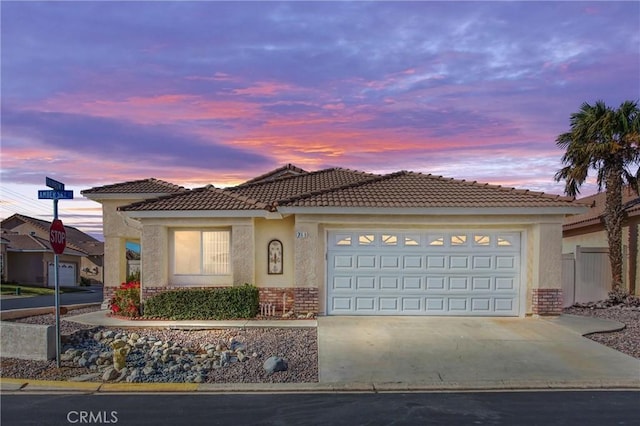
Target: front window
<point>201,252</point>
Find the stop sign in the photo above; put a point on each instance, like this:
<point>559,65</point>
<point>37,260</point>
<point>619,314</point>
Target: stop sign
<point>57,236</point>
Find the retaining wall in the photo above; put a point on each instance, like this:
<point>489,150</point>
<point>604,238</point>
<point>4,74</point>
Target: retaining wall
<point>27,341</point>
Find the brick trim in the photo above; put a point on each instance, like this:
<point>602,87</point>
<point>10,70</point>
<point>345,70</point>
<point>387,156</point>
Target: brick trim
<point>547,301</point>
<point>107,293</point>
<point>305,300</point>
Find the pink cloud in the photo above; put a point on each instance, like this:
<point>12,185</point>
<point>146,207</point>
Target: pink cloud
<point>161,109</point>
<point>266,88</point>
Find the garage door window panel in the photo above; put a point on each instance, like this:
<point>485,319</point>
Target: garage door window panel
<point>481,240</point>
<point>412,240</point>
<point>366,239</point>
<point>458,240</point>
<point>389,240</point>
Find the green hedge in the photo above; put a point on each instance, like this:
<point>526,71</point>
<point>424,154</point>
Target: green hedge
<point>221,303</point>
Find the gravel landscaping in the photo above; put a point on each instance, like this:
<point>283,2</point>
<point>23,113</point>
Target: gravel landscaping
<point>174,355</point>
<point>225,356</point>
<point>626,340</point>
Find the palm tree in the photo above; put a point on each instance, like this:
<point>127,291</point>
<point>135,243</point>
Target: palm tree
<point>608,141</point>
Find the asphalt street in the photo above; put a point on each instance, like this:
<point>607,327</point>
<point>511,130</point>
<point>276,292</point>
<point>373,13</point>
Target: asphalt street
<point>93,294</point>
<point>547,408</point>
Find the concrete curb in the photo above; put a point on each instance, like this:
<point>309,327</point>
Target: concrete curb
<point>29,312</point>
<point>21,385</point>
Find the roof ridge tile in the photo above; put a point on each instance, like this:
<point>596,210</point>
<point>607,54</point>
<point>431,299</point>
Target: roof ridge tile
<point>153,180</point>
<point>374,178</point>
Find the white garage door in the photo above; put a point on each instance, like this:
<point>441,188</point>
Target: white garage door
<point>66,274</point>
<point>423,273</point>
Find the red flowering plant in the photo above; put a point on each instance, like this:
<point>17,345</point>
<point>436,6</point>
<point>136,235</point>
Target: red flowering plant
<point>126,300</point>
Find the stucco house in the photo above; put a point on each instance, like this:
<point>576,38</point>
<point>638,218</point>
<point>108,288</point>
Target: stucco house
<point>28,257</point>
<point>344,242</point>
<point>585,245</point>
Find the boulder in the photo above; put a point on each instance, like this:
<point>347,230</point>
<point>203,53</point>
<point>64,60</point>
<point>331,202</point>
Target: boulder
<point>110,374</point>
<point>274,364</point>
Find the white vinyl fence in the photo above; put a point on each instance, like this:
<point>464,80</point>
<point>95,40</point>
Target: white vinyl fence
<point>586,275</point>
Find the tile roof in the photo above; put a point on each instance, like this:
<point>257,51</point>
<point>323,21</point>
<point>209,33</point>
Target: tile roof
<point>143,186</point>
<point>415,190</point>
<point>76,239</point>
<point>284,171</point>
<point>20,242</point>
<point>205,198</point>
<point>343,188</point>
<point>597,204</point>
<point>321,180</point>
<point>30,243</point>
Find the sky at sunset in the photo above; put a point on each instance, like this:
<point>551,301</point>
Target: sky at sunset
<point>203,92</point>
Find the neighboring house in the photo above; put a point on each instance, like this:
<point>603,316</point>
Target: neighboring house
<point>587,272</point>
<point>30,260</point>
<point>343,242</point>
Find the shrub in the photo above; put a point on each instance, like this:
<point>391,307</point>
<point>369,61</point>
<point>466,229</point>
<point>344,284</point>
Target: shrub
<point>204,304</point>
<point>126,300</point>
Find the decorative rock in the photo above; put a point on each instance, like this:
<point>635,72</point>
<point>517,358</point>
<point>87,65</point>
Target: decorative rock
<point>237,346</point>
<point>123,374</point>
<point>67,356</point>
<point>133,376</point>
<point>310,315</point>
<point>242,357</point>
<point>274,364</point>
<point>110,374</point>
<point>148,370</point>
<point>134,337</point>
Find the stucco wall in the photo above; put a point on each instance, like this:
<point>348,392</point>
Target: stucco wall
<point>154,249</point>
<point>592,239</point>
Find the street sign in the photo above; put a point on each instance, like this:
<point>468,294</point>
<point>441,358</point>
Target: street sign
<point>57,236</point>
<point>54,184</point>
<point>54,195</point>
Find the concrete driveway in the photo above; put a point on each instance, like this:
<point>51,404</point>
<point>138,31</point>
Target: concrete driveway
<point>423,352</point>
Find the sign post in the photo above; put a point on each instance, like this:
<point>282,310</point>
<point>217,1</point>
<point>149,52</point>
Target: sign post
<point>58,240</point>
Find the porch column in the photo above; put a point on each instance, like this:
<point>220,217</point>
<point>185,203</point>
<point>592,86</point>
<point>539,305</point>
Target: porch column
<point>243,254</point>
<point>309,261</point>
<point>116,259</point>
<point>154,259</point>
<point>546,297</point>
